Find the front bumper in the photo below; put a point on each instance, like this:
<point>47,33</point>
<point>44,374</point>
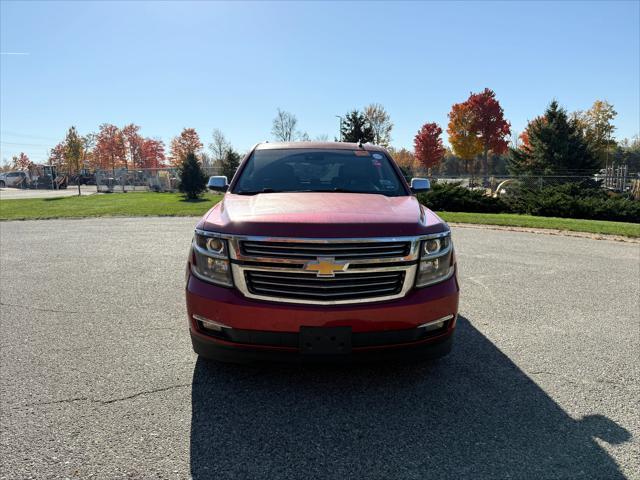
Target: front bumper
<point>261,329</point>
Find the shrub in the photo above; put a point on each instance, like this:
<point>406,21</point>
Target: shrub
<point>193,181</point>
<point>573,200</point>
<point>568,200</point>
<point>451,197</point>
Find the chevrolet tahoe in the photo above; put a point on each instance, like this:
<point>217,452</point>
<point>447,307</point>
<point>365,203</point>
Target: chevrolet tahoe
<point>320,251</point>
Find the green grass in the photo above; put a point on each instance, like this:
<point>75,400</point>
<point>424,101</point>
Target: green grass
<point>173,204</point>
<point>107,205</point>
<point>571,224</point>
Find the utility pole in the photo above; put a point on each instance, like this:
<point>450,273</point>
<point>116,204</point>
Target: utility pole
<point>340,128</point>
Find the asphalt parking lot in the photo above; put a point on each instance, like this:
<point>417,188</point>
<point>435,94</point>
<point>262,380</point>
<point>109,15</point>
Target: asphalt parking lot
<point>98,379</point>
<point>9,193</point>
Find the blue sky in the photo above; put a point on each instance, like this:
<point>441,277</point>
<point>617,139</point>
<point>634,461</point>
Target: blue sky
<point>210,65</point>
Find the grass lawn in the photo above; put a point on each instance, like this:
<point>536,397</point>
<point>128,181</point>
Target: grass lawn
<point>572,224</point>
<point>130,204</point>
<point>173,204</point>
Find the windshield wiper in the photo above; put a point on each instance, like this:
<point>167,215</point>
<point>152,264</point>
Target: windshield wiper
<point>255,192</point>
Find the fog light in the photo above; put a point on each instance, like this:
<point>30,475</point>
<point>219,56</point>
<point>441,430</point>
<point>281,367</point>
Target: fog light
<point>210,324</point>
<point>435,324</point>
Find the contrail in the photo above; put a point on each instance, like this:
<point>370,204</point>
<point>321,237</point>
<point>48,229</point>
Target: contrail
<point>14,53</point>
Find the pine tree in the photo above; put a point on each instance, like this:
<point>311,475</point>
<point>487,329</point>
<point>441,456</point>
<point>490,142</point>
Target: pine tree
<point>193,180</point>
<point>555,146</point>
<point>229,163</point>
<point>355,128</point>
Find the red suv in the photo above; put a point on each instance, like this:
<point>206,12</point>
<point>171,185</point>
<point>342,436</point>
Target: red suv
<point>320,251</point>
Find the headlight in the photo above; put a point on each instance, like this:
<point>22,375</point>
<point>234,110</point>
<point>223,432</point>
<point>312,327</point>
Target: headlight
<point>210,260</point>
<point>435,260</point>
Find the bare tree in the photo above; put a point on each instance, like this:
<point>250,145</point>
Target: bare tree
<point>323,137</point>
<point>207,161</point>
<point>380,123</point>
<point>219,145</point>
<point>284,126</point>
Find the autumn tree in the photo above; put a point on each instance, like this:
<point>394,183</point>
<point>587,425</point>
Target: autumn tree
<point>219,145</point>
<point>152,153</point>
<point>462,134</point>
<point>597,128</point>
<point>193,181</point>
<point>380,123</point>
<point>57,155</point>
<point>74,152</point>
<point>88,145</point>
<point>556,146</point>
<point>428,146</point>
<point>110,148</point>
<point>284,126</point>
<point>355,128</point>
<point>21,162</point>
<point>133,145</point>
<point>230,163</point>
<point>489,125</point>
<point>187,142</point>
<point>405,159</point>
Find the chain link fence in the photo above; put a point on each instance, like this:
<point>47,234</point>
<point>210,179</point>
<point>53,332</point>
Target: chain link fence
<point>617,180</point>
<point>167,180</point>
<point>142,180</point>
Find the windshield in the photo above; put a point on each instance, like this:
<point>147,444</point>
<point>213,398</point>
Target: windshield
<point>321,170</point>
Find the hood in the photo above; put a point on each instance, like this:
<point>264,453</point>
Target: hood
<point>321,215</point>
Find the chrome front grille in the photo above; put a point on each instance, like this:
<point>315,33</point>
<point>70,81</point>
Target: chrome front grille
<point>293,270</point>
<point>337,250</point>
<point>307,286</point>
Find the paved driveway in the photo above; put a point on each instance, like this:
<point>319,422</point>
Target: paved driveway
<point>98,380</point>
<point>9,193</point>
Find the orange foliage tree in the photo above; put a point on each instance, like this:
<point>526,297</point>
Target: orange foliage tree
<point>57,155</point>
<point>428,146</point>
<point>110,151</point>
<point>404,159</point>
<point>152,153</point>
<point>489,125</point>
<point>462,135</point>
<point>187,142</point>
<point>133,145</point>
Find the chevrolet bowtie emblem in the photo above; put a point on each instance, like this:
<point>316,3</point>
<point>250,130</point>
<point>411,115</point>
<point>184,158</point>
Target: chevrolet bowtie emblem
<point>326,266</point>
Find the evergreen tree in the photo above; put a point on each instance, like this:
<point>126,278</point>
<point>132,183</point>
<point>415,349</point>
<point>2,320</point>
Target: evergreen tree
<point>555,146</point>
<point>193,180</point>
<point>355,128</point>
<point>229,163</point>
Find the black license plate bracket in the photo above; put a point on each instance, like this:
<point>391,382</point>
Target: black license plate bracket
<point>325,340</point>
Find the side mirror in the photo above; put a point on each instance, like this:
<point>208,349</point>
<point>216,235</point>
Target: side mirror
<point>419,185</point>
<point>218,183</point>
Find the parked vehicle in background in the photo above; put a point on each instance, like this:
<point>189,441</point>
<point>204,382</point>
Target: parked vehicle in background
<point>47,176</point>
<point>317,251</point>
<point>84,177</point>
<point>14,179</point>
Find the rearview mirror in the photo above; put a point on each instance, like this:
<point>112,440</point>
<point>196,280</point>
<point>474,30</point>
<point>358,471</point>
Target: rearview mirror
<point>420,185</point>
<point>218,183</point>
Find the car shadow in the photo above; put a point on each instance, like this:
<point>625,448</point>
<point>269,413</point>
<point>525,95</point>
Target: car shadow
<point>473,414</point>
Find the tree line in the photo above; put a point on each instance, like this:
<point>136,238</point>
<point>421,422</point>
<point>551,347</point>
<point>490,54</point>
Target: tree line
<point>480,142</point>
